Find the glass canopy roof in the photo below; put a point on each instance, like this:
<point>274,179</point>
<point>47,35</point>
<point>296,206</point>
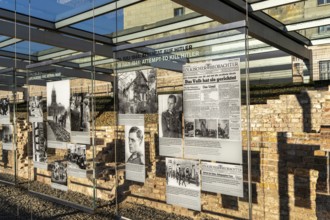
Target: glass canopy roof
<point>52,10</point>
<point>24,47</point>
<point>304,21</point>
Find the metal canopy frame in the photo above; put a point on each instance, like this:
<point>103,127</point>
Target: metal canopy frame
<point>224,13</point>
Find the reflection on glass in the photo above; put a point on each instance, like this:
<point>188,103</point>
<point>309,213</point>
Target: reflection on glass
<point>104,24</point>
<point>52,10</point>
<point>23,47</point>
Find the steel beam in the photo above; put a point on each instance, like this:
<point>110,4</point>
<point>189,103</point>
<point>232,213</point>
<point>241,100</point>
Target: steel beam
<point>224,13</point>
<point>52,38</point>
<point>47,25</point>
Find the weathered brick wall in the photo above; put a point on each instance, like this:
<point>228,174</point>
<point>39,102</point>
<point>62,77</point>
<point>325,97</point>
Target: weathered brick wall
<point>289,139</point>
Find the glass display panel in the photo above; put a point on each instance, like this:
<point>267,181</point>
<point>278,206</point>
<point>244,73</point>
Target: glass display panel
<point>168,144</point>
<point>60,110</point>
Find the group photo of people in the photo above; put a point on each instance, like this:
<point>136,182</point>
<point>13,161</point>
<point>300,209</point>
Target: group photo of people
<point>182,173</point>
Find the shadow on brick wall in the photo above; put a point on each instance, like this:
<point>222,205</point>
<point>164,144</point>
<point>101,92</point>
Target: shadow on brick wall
<point>297,160</point>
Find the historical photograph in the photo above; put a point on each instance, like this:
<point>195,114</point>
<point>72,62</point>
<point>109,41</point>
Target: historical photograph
<point>76,156</point>
<point>4,111</point>
<point>134,145</point>
<point>223,129</point>
<point>189,127</point>
<point>39,142</point>
<point>170,115</point>
<point>80,112</point>
<point>58,106</point>
<point>183,173</point>
<point>206,128</point>
<point>137,92</point>
<point>36,108</point>
<point>7,137</point>
<point>59,173</point>
<point>4,107</point>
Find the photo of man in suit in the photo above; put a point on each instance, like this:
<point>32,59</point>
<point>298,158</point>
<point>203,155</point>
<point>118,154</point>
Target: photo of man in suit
<point>135,146</point>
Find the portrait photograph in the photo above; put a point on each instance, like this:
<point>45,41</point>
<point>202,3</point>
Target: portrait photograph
<point>170,115</point>
<point>137,92</point>
<point>134,145</point>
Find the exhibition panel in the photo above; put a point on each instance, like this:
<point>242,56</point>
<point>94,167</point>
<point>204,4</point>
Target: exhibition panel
<point>179,115</point>
<point>60,106</point>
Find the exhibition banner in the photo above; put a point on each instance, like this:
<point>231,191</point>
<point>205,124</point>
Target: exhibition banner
<point>135,153</point>
<point>58,118</point>
<point>212,111</point>
<point>183,183</point>
<point>226,179</point>
<point>170,125</point>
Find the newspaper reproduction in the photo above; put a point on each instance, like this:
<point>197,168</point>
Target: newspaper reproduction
<point>183,183</point>
<point>170,125</point>
<point>36,105</point>
<point>4,111</point>
<point>76,157</point>
<point>80,118</point>
<point>212,110</point>
<point>135,153</point>
<point>39,139</point>
<point>58,108</point>
<point>222,178</point>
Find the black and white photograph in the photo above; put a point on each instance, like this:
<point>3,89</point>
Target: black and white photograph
<point>39,138</point>
<point>134,145</point>
<point>80,117</point>
<point>223,129</point>
<point>36,105</point>
<point>59,177</point>
<point>183,173</point>
<point>134,153</point>
<point>170,115</point>
<point>4,111</point>
<point>137,92</point>
<point>183,186</point>
<point>76,157</point>
<point>7,137</point>
<point>206,128</point>
<point>58,106</point>
<point>189,127</point>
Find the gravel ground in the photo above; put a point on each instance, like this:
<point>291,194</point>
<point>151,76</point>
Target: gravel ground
<point>18,203</point>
